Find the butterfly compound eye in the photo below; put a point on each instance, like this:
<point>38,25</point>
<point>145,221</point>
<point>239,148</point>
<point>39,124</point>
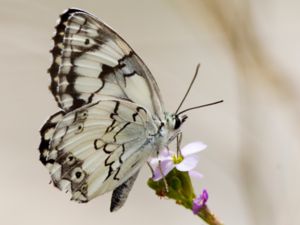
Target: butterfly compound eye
<point>179,120</point>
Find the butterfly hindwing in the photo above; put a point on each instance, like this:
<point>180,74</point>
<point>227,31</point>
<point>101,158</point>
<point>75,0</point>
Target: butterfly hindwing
<point>90,60</point>
<point>97,147</point>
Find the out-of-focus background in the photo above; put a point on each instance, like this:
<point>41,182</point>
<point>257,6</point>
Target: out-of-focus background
<point>249,52</point>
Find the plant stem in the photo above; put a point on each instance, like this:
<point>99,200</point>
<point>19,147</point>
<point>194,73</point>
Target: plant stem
<point>208,216</point>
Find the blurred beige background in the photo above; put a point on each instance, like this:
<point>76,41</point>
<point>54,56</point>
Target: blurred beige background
<point>249,51</point>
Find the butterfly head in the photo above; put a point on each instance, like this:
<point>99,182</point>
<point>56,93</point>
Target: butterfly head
<point>175,121</point>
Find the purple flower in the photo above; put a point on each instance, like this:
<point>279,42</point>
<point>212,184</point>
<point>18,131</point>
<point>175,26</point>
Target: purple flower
<point>185,162</point>
<point>199,202</point>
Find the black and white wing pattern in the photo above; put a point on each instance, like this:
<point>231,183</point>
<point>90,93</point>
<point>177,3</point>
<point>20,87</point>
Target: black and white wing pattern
<point>91,60</point>
<point>97,147</point>
<point>111,110</point>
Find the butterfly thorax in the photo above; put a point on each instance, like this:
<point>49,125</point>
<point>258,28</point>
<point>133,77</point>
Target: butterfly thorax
<point>167,130</point>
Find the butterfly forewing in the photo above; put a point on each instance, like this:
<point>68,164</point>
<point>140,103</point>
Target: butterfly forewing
<point>90,60</point>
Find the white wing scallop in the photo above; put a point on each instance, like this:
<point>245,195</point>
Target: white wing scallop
<point>90,61</point>
<point>95,148</point>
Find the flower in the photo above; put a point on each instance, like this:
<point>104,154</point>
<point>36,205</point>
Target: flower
<point>200,201</point>
<point>185,162</point>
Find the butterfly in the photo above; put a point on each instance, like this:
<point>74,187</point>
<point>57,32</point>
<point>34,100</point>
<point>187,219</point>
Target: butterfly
<point>111,118</point>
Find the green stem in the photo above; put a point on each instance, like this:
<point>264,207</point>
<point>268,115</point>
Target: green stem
<point>208,217</point>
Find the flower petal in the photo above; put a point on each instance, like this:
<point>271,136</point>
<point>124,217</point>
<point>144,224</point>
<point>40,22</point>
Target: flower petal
<point>187,163</point>
<point>193,148</point>
<point>165,167</point>
<point>164,153</point>
<point>204,195</point>
<point>200,201</point>
<point>195,174</point>
<point>153,162</point>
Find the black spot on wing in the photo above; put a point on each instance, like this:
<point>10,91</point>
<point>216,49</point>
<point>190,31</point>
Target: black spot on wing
<point>109,70</point>
<point>129,74</point>
<point>105,150</point>
<point>81,26</point>
<point>119,131</point>
<point>123,151</point>
<point>134,115</point>
<point>110,171</point>
<point>111,126</point>
<point>116,173</point>
<point>115,110</point>
<point>45,142</point>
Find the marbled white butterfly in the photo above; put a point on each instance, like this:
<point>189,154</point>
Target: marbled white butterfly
<point>112,116</point>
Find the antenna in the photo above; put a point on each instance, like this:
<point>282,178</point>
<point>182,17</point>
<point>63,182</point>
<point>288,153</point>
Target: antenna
<point>188,90</point>
<point>200,106</point>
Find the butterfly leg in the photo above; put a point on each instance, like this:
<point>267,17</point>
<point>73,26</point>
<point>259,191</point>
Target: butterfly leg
<point>164,178</point>
<point>178,143</point>
<point>151,169</point>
